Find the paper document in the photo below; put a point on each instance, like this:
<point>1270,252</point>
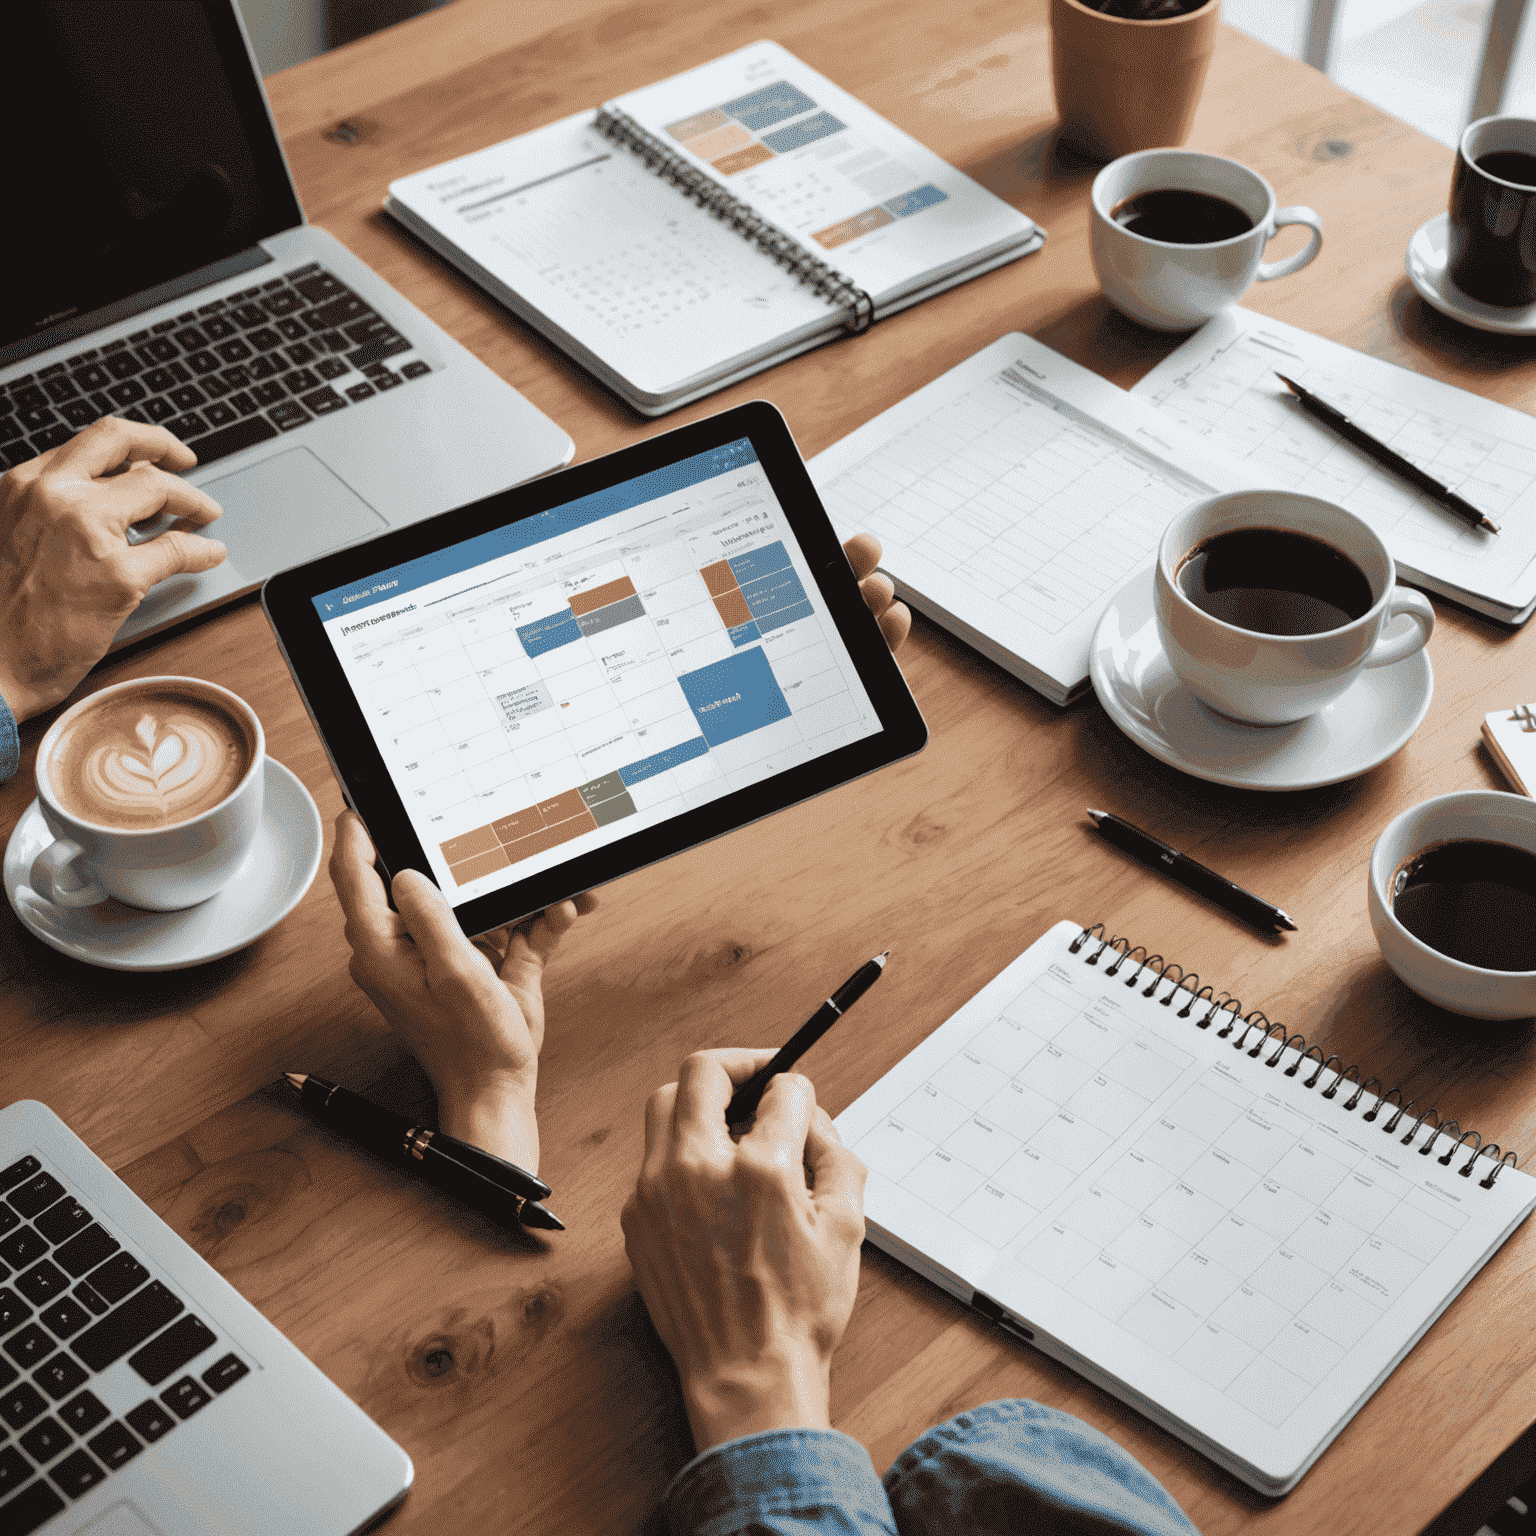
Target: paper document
<point>1014,496</point>
<point>1221,384</point>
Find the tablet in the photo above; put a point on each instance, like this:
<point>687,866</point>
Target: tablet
<point>542,691</point>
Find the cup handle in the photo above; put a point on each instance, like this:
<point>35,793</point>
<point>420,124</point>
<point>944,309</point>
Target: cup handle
<point>1270,270</point>
<point>1410,637</point>
<point>50,864</point>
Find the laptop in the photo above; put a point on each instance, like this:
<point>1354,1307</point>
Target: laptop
<point>140,1393</point>
<point>158,266</point>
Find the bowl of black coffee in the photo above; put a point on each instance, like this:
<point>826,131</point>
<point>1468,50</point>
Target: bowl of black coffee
<point>1453,902</point>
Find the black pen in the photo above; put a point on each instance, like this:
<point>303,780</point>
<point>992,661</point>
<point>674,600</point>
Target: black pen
<point>745,1100</point>
<point>1337,421</point>
<point>490,1184</point>
<point>1196,877</point>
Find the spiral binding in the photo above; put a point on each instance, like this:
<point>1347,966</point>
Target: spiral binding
<point>1275,1034</point>
<point>822,279</point>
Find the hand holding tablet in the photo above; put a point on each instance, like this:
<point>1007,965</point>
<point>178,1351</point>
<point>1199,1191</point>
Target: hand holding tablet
<point>542,691</point>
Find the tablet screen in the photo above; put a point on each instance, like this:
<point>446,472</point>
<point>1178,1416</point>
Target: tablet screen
<point>554,685</point>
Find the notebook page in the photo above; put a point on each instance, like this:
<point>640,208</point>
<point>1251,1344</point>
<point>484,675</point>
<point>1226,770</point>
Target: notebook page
<point>1220,1240</point>
<point>631,270</point>
<point>1510,735</point>
<point>850,187</point>
<point>1016,494</point>
<point>1221,384</point>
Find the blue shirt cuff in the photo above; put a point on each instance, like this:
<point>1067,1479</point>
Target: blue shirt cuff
<point>10,746</point>
<point>787,1482</point>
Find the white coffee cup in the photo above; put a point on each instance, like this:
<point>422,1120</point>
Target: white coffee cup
<point>1266,679</point>
<point>1485,815</point>
<point>1174,287</point>
<point>161,868</point>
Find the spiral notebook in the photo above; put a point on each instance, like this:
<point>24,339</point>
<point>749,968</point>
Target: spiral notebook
<point>1229,1230</point>
<point>695,232</point>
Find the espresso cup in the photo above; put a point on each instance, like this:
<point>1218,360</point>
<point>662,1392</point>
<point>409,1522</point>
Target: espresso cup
<point>1483,815</point>
<point>1174,287</point>
<point>1491,244</point>
<point>1264,678</point>
<point>153,791</point>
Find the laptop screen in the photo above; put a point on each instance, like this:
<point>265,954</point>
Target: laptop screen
<point>142,151</point>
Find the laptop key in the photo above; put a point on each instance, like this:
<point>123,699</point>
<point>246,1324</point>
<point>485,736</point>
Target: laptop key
<point>13,1310</point>
<point>79,413</point>
<point>8,1218</point>
<point>217,327</point>
<point>243,403</point>
<point>83,1412</point>
<point>36,419</point>
<point>291,329</point>
<point>288,415</point>
<point>50,437</point>
<point>269,393</point>
<point>136,414</point>
<point>31,1508</point>
<point>77,1474</point>
<point>190,339</point>
<point>12,454</point>
<point>29,398</point>
<point>92,376</point>
<point>159,409</point>
<point>323,401</point>
<point>10,429</point>
<point>266,367</point>
<point>126,1327</point>
<point>15,1469</point>
<point>28,1346</point>
<point>158,329</point>
<point>220,414</point>
<point>91,1299</point>
<point>123,365</point>
<point>36,1195</point>
<point>46,1439</point>
<point>187,426</point>
<point>42,1283</point>
<point>182,1342</point>
<point>331,368</point>
<point>235,351</point>
<point>300,379</point>
<point>231,439</point>
<point>151,1420</point>
<point>85,1250</point>
<point>224,1373</point>
<point>359,391</point>
<point>202,362</point>
<point>185,1397</point>
<point>60,1376</point>
<point>416,369</point>
<point>23,1247</point>
<point>20,1404</point>
<point>300,352</point>
<point>264,339</point>
<point>188,397</point>
<point>283,302</point>
<point>386,346</point>
<point>249,316</point>
<point>121,1274</point>
<point>116,1445</point>
<point>64,1318</point>
<point>129,392</point>
<point>319,287</point>
<point>336,312</point>
<point>59,389</point>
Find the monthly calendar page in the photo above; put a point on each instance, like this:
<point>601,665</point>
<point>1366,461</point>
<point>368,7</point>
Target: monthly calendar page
<point>1185,1222</point>
<point>1222,385</point>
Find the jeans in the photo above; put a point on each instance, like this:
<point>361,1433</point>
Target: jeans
<point>1004,1469</point>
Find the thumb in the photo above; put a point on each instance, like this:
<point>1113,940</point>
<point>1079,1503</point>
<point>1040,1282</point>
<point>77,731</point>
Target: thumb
<point>429,919</point>
<point>836,1174</point>
<point>177,553</point>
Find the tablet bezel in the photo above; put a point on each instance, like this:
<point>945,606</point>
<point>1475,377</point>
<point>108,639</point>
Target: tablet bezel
<point>287,600</point>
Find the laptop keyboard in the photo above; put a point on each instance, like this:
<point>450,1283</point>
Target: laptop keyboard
<point>226,376</point>
<point>73,1303</point>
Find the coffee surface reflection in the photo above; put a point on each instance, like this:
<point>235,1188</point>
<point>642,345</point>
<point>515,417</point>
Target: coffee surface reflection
<point>149,757</point>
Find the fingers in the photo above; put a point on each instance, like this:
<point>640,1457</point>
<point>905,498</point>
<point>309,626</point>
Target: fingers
<point>146,489</point>
<point>358,886</point>
<point>428,918</point>
<point>110,441</point>
<point>658,1121</point>
<point>896,625</point>
<point>837,1176</point>
<point>863,551</point>
<point>705,1082</point>
<point>878,592</point>
<point>534,946</point>
<point>177,553</point>
<point>783,1121</point>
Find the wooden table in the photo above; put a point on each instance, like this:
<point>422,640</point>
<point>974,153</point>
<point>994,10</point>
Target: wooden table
<point>523,1378</point>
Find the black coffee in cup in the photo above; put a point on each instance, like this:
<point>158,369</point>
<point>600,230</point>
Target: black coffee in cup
<point>1491,241</point>
<point>1274,582</point>
<point>1472,900</point>
<point>1179,217</point>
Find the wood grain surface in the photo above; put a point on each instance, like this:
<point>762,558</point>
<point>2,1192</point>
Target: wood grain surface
<point>522,1376</point>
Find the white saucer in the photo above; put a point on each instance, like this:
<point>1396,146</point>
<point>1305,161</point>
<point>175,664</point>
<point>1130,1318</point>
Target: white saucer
<point>1142,696</point>
<point>1427,257</point>
<point>280,869</point>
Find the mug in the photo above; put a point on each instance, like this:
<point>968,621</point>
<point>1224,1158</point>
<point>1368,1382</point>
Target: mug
<point>1491,241</point>
<point>1176,287</point>
<point>1487,815</point>
<point>162,868</point>
<point>1267,679</point>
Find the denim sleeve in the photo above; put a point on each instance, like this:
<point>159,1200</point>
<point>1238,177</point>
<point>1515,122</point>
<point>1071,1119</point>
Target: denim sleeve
<point>1016,1466</point>
<point>10,747</point>
<point>786,1482</point>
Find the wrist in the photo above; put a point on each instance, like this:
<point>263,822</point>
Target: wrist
<point>495,1114</point>
<point>784,1389</point>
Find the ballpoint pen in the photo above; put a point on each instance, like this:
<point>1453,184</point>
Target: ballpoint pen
<point>490,1184</point>
<point>1334,419</point>
<point>745,1100</point>
<point>1194,876</point>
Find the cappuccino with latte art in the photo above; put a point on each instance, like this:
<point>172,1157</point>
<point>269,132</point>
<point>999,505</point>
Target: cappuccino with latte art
<point>149,757</point>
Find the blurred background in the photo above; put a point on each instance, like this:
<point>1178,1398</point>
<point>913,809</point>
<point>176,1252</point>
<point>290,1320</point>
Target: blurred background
<point>1418,59</point>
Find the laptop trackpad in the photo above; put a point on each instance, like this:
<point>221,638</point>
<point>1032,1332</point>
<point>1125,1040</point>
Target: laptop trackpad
<point>287,510</point>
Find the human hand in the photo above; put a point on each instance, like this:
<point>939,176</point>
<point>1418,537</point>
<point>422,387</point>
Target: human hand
<point>895,619</point>
<point>746,1252</point>
<point>471,1012</point>
<point>68,575</point>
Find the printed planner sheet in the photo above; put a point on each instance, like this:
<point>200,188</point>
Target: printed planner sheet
<point>1221,385</point>
<point>1196,1224</point>
<point>1014,496</point>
